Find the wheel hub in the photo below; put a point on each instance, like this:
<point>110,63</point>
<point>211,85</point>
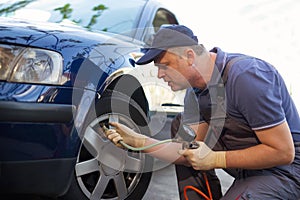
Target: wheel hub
<point>108,171</point>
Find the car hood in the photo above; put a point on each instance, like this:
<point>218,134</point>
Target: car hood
<point>48,35</point>
<point>78,46</point>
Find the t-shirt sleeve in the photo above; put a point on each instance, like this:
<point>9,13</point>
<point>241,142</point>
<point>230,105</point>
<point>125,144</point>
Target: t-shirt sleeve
<point>257,96</point>
<point>191,113</point>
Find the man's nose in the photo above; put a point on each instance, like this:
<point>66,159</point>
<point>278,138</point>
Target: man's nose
<point>161,73</point>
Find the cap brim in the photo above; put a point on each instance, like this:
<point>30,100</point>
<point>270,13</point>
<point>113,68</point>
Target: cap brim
<point>149,56</point>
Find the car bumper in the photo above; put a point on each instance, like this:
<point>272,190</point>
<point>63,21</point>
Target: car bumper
<point>34,131</point>
<point>37,150</point>
<point>48,177</point>
<point>35,112</point>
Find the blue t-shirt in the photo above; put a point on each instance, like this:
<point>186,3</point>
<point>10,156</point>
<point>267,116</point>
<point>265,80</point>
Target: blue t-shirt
<point>256,95</point>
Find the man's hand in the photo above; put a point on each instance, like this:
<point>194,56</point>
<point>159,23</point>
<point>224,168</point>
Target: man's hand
<point>123,133</point>
<point>203,158</point>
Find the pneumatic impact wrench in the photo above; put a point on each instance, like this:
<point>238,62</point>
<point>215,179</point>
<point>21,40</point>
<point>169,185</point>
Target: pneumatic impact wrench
<point>186,135</point>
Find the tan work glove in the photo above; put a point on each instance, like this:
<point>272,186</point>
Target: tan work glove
<point>127,135</point>
<point>203,158</point>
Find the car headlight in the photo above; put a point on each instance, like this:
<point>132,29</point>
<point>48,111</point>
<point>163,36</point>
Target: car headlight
<point>30,65</point>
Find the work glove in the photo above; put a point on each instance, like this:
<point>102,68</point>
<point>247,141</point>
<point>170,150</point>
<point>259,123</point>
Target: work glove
<point>125,134</point>
<point>203,158</point>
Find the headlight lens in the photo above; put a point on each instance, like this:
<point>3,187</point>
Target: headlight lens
<point>30,65</point>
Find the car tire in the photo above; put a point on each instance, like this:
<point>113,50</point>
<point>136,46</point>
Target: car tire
<point>104,171</point>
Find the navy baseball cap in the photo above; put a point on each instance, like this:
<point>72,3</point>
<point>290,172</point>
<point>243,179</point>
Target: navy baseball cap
<point>167,37</point>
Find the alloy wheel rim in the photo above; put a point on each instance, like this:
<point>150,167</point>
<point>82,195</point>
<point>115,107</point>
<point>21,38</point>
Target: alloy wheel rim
<point>103,170</point>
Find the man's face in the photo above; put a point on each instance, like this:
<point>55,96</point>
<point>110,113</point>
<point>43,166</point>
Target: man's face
<point>172,69</point>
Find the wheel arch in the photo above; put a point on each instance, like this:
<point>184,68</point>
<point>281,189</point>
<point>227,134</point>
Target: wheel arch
<point>124,83</point>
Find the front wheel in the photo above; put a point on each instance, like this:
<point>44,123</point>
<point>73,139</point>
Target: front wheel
<point>104,171</point>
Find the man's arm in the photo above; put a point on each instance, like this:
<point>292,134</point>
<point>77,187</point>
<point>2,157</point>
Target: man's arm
<point>169,152</point>
<point>277,148</point>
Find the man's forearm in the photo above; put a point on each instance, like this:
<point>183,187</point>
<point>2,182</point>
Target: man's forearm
<point>167,152</point>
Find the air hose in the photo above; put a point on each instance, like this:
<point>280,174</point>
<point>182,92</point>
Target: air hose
<point>145,147</point>
<point>184,145</point>
<point>188,187</point>
<point>198,191</point>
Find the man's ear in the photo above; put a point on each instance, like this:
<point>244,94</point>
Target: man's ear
<point>190,56</point>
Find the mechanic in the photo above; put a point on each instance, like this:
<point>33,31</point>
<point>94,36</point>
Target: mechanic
<point>241,110</point>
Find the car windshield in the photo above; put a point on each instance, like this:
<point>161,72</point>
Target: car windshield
<point>115,16</point>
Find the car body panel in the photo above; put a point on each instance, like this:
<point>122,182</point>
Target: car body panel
<point>42,125</point>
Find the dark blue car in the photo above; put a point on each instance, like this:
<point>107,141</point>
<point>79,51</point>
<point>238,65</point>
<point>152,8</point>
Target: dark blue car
<point>66,70</point>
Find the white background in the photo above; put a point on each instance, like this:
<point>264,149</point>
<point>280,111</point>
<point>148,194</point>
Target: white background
<point>268,29</point>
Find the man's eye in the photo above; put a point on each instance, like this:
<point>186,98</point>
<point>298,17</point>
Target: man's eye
<point>162,66</point>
